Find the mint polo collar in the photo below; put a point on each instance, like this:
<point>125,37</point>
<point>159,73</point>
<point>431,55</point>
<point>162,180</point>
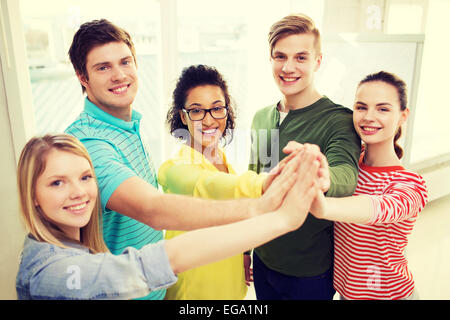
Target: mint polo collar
<point>101,115</point>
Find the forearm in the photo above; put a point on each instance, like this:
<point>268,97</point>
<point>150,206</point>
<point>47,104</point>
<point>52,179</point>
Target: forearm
<point>138,200</point>
<point>131,274</point>
<point>229,186</point>
<point>202,182</point>
<point>339,169</point>
<point>177,212</point>
<point>188,250</point>
<point>343,152</point>
<point>343,180</point>
<point>354,209</point>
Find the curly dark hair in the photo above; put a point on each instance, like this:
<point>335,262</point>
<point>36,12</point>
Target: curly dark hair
<point>190,78</point>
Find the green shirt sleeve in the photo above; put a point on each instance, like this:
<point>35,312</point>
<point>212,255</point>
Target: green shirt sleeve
<point>263,136</point>
<point>324,123</point>
<point>342,152</point>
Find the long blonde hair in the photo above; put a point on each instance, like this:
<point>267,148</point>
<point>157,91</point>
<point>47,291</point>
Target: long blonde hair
<point>31,165</point>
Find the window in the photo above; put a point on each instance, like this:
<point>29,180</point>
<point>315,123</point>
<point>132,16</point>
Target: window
<point>49,27</point>
<point>431,131</point>
<point>232,36</point>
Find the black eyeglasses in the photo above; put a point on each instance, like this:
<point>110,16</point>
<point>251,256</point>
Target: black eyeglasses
<point>198,114</point>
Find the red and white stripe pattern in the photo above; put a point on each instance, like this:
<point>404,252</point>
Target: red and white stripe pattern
<point>369,259</point>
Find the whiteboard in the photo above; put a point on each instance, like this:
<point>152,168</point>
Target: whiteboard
<point>347,60</point>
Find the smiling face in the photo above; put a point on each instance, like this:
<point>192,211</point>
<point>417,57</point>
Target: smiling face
<point>207,132</point>
<point>294,62</point>
<point>66,191</point>
<point>112,79</point>
<point>377,114</point>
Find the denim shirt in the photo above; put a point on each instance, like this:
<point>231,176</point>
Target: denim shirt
<point>47,271</point>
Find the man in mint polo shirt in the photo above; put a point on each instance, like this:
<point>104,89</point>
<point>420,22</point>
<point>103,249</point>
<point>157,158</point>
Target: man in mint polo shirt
<point>134,211</point>
<point>299,265</point>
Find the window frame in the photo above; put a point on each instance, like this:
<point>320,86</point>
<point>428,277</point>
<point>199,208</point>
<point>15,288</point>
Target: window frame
<point>14,67</point>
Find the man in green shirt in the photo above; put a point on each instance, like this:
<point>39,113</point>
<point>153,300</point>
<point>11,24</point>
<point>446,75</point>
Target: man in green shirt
<point>299,265</point>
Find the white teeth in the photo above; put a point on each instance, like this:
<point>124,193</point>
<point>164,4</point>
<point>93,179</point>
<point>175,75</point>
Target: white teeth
<point>78,207</point>
<point>289,79</point>
<point>369,129</point>
<point>209,131</point>
<point>120,90</point>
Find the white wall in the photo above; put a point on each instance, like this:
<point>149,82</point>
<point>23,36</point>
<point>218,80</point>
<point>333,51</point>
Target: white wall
<point>12,233</point>
<point>431,127</point>
<point>16,125</point>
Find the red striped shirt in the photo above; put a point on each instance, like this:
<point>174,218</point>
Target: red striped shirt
<point>370,261</point>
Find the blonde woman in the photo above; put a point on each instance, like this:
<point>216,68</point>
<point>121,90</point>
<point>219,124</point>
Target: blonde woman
<point>64,256</point>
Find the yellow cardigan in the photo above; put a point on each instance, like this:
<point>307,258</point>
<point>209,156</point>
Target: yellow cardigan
<point>190,173</point>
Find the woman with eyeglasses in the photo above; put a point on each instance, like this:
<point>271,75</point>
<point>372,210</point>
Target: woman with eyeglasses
<point>202,115</point>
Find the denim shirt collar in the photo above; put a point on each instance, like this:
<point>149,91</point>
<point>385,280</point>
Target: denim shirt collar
<point>94,111</point>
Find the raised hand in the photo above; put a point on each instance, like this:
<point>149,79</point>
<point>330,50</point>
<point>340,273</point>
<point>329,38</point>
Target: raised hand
<point>277,170</point>
<point>297,202</point>
<point>281,183</point>
<point>294,147</point>
<point>318,207</point>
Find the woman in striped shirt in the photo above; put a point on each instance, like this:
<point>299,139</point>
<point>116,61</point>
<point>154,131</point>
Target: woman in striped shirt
<point>372,227</point>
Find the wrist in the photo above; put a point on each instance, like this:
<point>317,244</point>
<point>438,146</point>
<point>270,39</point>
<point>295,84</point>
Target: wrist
<point>253,208</point>
<point>264,185</point>
<point>288,221</point>
<point>329,206</point>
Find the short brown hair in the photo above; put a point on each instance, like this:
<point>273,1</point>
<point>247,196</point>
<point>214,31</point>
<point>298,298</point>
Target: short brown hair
<point>294,24</point>
<point>92,34</point>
